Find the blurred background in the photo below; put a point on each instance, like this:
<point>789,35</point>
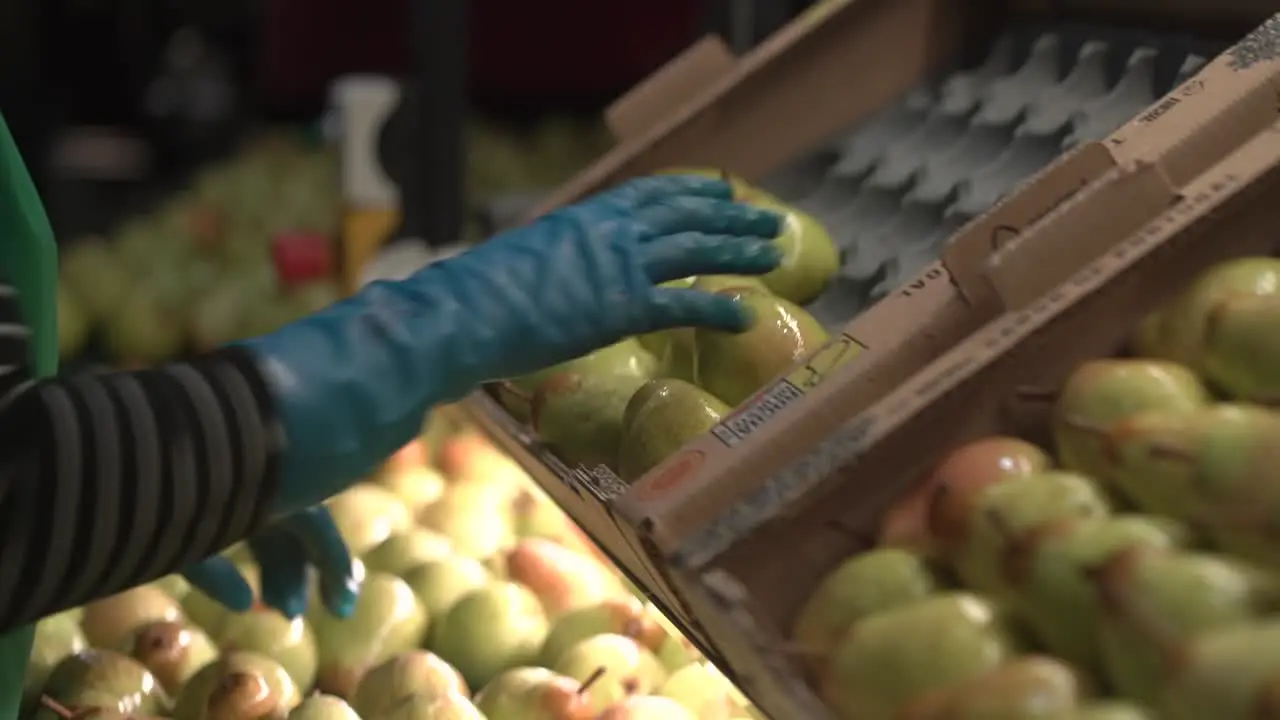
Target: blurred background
<point>203,161</point>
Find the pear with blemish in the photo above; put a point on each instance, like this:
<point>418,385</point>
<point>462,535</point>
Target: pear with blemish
<point>623,667</point>
<point>290,642</point>
<point>618,616</point>
<point>1026,687</point>
<point>562,579</point>
<point>1227,673</point>
<point>173,652</point>
<point>1007,510</point>
<point>1155,602</point>
<point>860,587</point>
<point>702,690</point>
<point>1052,573</point>
<point>103,679</point>
<point>580,416</point>
<point>734,366</point>
<point>662,417</point>
<point>1150,455</point>
<point>238,682</point>
<point>535,693</point>
<point>1101,393</point>
<point>387,620</point>
<point>887,661</point>
<point>1180,335</point>
<point>416,672</point>
<point>440,583</point>
<point>112,621</point>
<point>366,514</point>
<point>937,517</point>
<point>627,358</point>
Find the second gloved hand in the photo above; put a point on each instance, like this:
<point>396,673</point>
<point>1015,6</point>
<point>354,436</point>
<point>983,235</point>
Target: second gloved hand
<point>353,382</point>
<point>287,551</point>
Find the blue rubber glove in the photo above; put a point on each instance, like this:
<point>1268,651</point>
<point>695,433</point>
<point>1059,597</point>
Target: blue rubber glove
<point>285,552</point>
<point>353,382</point>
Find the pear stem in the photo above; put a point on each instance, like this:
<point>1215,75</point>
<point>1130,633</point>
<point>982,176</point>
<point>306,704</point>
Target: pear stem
<point>57,707</point>
<point>592,679</point>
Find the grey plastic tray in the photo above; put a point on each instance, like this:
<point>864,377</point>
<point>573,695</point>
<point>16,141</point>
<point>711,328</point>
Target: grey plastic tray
<point>895,187</point>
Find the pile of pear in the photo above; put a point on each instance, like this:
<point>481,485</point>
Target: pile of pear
<point>1129,571</point>
<point>481,601</point>
<point>632,405</point>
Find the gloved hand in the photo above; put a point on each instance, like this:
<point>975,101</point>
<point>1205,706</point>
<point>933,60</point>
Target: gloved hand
<point>285,551</point>
<point>352,383</point>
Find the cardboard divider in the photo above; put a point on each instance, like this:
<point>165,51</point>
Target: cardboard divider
<point>990,384</point>
<point>678,82</point>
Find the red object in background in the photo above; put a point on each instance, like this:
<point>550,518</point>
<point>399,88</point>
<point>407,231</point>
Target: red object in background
<point>557,49</point>
<point>301,257</point>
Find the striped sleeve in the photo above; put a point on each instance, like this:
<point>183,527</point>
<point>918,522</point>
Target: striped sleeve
<point>111,480</point>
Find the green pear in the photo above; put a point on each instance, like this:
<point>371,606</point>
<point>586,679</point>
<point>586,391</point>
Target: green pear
<point>476,517</point>
<point>720,283</point>
<point>323,707</point>
<point>618,616</point>
<point>494,628</point>
<point>450,706</point>
<point>661,418</point>
<point>366,514</point>
<point>1151,456</point>
<point>1241,352</point>
<point>533,693</point>
<point>1181,333</point>
<point>173,652</point>
<point>417,487</point>
<point>1052,573</point>
<point>211,615</point>
<point>702,690</point>
<point>562,579</point>
<point>1228,673</point>
<point>627,358</point>
<point>676,651</point>
<point>646,707</point>
<point>1025,687</point>
<point>403,551</point>
<point>866,584</point>
<point>1007,510</point>
<point>176,585</point>
<point>657,343</point>
<point>1101,393</point>
<point>113,621</point>
<point>937,516</point>
<point>884,662</point>
<point>387,620</point>
<point>617,665</point>
<point>292,643</point>
<point>1111,710</point>
<point>810,258</point>
<point>439,583</point>
<point>1154,602</point>
<point>580,416</point>
<point>57,637</point>
<point>238,681</point>
<point>734,366</point>
<point>416,672</point>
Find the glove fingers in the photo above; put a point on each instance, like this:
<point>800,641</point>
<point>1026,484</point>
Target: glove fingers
<point>283,560</point>
<point>691,253</point>
<point>645,190</point>
<point>221,580</point>
<point>329,554</point>
<point>714,216</point>
<point>685,307</point>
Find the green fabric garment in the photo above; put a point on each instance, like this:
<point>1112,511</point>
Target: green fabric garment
<point>28,257</point>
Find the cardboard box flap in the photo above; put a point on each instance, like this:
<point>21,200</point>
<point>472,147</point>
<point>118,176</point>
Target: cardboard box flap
<point>1078,232</point>
<point>966,255</point>
<point>678,82</point>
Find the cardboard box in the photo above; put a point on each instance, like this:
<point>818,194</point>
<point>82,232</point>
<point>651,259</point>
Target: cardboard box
<point>827,503</point>
<point>746,121</point>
